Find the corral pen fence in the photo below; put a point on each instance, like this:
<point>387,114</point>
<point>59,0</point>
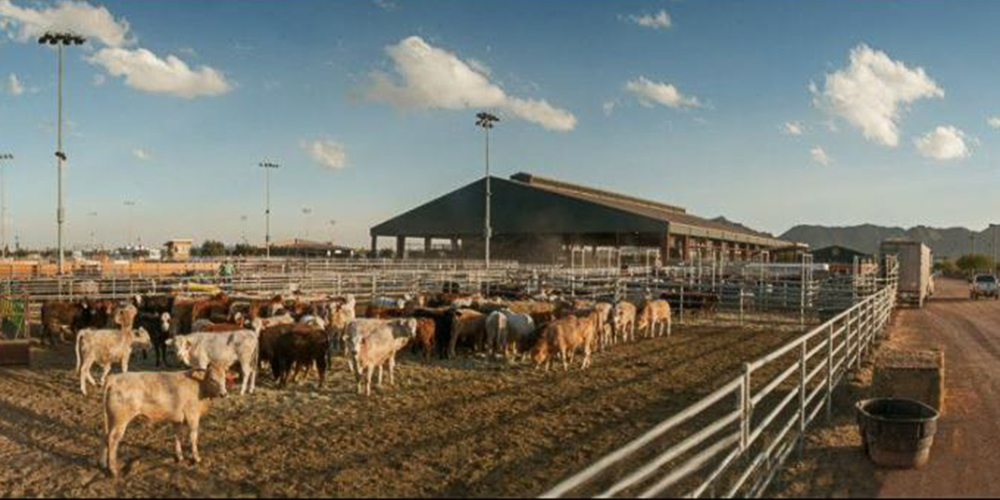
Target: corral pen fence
<point>742,289</point>
<point>732,441</point>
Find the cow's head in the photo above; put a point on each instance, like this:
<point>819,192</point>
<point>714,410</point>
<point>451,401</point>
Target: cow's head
<point>183,347</point>
<point>140,338</point>
<point>211,382</point>
<point>125,316</point>
<point>165,322</point>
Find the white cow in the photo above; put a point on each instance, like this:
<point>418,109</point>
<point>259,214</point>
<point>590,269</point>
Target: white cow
<point>373,343</point>
<point>197,350</point>
<point>177,397</point>
<point>505,329</point>
<point>106,347</point>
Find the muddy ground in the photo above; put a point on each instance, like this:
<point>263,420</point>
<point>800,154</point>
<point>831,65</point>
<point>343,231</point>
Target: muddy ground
<point>468,427</point>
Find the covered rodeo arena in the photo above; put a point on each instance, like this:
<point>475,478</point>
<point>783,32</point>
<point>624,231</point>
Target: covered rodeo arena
<point>541,220</point>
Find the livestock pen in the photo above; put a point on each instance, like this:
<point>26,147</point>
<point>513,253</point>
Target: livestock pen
<point>744,290</point>
<point>466,426</point>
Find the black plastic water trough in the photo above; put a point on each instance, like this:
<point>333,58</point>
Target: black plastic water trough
<point>897,432</point>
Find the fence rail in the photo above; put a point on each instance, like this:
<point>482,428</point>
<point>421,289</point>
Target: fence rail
<point>754,420</point>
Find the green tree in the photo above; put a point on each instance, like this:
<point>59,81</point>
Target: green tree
<point>212,248</point>
<point>947,267</point>
<point>243,249</point>
<point>971,263</point>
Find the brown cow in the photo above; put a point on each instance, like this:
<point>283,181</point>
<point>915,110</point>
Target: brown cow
<point>470,325</point>
<point>563,337</point>
<point>425,337</point>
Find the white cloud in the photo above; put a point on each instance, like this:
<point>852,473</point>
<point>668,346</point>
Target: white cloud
<point>141,154</point>
<point>943,143</point>
<point>820,156</point>
<point>141,68</point>
<point>433,78</point>
<point>659,21</point>
<point>14,85</point>
<point>330,154</point>
<point>81,18</point>
<point>144,70</point>
<point>869,92</point>
<point>649,92</point>
<point>994,121</point>
<point>608,107</point>
<point>385,5</point>
<point>792,128</point>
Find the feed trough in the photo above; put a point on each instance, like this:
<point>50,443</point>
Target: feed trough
<point>897,432</point>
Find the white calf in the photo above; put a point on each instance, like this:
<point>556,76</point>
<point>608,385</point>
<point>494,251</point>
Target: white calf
<point>106,347</point>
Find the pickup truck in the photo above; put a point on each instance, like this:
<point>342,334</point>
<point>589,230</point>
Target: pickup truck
<point>984,285</point>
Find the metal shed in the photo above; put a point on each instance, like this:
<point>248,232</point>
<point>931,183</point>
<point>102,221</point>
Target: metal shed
<point>538,219</point>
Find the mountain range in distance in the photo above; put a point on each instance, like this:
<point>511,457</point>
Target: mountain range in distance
<point>950,242</point>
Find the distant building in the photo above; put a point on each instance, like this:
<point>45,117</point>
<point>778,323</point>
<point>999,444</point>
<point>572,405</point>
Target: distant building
<point>297,247</point>
<point>535,219</point>
<point>842,259</point>
<point>179,249</point>
<point>838,254</point>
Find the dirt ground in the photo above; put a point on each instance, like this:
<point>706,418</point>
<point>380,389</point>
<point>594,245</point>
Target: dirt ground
<point>468,427</point>
<point>965,455</point>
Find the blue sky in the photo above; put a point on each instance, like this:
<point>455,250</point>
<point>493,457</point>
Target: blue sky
<point>369,108</point>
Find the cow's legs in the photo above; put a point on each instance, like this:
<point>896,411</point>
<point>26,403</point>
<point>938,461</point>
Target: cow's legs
<point>562,356</point>
<point>178,442</point>
<point>114,438</point>
<point>380,375</point>
<point>368,390</point>
<point>392,369</point>
<point>193,427</point>
<point>84,375</point>
<point>104,374</point>
<point>245,375</point>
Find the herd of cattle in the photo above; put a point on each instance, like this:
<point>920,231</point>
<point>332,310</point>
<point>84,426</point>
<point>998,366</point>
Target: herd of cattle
<point>216,335</point>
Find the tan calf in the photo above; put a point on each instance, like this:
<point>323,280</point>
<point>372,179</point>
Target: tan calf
<point>181,398</point>
<point>623,321</point>
<point>654,318</point>
<point>563,337</point>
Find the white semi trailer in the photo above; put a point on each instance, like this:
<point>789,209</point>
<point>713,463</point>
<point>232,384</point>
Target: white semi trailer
<point>915,282</point>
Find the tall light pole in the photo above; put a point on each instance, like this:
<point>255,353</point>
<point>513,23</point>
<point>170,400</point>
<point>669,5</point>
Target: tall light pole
<point>486,121</point>
<point>243,219</point>
<point>332,223</point>
<point>93,227</point>
<point>59,39</point>
<point>3,204</point>
<point>267,166</point>
<point>129,204</point>
<point>305,212</point>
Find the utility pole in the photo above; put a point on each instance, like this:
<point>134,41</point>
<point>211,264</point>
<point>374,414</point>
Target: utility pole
<point>267,166</point>
<point>129,204</point>
<point>486,121</point>
<point>59,40</point>
<point>3,204</point>
<point>243,219</point>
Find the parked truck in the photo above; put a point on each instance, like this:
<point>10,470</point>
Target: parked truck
<point>915,282</point>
